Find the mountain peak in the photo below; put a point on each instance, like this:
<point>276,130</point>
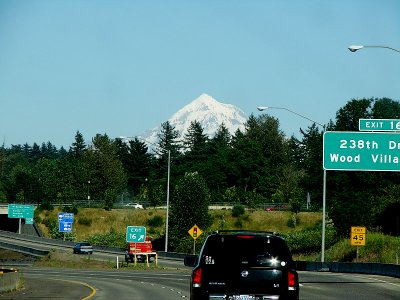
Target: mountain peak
<point>204,101</point>
<point>205,98</point>
<point>209,113</point>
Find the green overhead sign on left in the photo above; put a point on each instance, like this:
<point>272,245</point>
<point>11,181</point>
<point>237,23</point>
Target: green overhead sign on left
<point>20,211</point>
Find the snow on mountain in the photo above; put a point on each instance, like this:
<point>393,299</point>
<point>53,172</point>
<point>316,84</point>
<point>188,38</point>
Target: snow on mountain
<point>208,112</point>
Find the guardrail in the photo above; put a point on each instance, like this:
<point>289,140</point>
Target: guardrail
<point>349,267</point>
<point>23,249</point>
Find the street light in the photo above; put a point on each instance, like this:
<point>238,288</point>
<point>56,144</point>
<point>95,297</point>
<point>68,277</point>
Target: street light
<point>168,181</point>
<point>88,193</point>
<point>261,108</point>
<point>355,48</point>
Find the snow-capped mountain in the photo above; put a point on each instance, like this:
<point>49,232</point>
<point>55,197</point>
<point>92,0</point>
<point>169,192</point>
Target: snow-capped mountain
<point>208,112</point>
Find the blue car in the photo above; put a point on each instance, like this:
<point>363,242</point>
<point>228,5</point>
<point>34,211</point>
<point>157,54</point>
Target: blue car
<point>83,247</point>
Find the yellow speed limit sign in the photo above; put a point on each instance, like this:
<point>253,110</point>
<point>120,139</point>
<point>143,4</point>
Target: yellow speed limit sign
<point>357,235</point>
<point>195,231</point>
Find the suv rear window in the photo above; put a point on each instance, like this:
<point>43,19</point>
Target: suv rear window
<point>249,250</point>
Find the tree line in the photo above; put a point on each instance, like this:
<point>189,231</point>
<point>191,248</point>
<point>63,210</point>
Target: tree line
<point>257,165</point>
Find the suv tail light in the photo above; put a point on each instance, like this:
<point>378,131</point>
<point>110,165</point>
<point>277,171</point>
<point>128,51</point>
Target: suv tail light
<point>291,280</point>
<point>197,277</point>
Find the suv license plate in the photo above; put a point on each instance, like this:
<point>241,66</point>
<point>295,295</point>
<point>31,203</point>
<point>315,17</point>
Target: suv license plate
<point>243,297</point>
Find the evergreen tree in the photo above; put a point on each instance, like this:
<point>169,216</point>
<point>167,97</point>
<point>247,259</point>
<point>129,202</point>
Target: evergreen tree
<point>347,117</point>
<point>258,155</point>
<point>107,177</point>
<point>309,159</point>
<point>221,139</point>
<point>168,140</point>
<point>137,163</point>
<point>35,153</point>
<point>189,206</point>
<point>215,166</point>
<point>195,140</point>
<point>78,147</point>
<point>168,151</point>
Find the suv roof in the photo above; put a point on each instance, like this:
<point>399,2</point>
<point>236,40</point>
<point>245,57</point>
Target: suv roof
<point>249,248</point>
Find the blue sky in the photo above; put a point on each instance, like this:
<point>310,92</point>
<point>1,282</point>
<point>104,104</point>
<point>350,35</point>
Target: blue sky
<point>122,67</point>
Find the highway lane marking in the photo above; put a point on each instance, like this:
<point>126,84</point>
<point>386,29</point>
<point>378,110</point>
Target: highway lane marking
<point>92,293</point>
<point>93,289</point>
<point>378,280</point>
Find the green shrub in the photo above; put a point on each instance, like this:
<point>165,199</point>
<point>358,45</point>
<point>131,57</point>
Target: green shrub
<point>111,239</point>
<point>38,219</point>
<point>237,210</point>
<point>238,223</point>
<point>71,209</point>
<point>293,221</point>
<point>46,205</point>
<point>85,221</point>
<point>310,240</point>
<point>155,221</point>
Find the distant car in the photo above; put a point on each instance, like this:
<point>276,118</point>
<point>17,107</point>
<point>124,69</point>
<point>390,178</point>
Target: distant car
<point>83,247</point>
<point>134,205</point>
<point>278,207</point>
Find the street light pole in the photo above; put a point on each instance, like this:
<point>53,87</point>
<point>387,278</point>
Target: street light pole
<point>168,182</point>
<point>355,48</point>
<point>166,220</point>
<point>88,194</point>
<point>261,108</point>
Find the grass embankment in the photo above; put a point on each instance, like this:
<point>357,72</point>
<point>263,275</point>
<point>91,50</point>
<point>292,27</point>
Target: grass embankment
<point>379,248</point>
<point>91,221</point>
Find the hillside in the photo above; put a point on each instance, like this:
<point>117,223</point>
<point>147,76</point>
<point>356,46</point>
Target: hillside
<point>302,237</point>
<point>90,221</point>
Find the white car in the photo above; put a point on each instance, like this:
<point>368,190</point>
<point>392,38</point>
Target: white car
<point>134,205</point>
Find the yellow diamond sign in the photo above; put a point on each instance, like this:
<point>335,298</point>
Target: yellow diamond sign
<point>195,231</point>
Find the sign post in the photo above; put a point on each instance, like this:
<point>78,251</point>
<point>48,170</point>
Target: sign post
<point>194,232</point>
<point>357,237</point>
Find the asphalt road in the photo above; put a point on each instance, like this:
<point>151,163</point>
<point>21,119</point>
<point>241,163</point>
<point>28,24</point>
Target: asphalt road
<point>327,286</point>
<point>46,283</point>
<point>174,284</point>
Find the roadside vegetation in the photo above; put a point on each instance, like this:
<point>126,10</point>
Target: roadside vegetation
<point>103,227</point>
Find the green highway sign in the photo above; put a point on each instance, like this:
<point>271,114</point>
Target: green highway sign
<point>20,211</point>
<point>135,234</point>
<point>361,151</point>
<point>379,125</point>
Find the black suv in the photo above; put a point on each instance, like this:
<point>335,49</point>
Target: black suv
<point>243,266</point>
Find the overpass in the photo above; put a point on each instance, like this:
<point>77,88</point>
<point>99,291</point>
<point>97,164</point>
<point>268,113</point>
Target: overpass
<point>12,224</point>
<point>3,209</point>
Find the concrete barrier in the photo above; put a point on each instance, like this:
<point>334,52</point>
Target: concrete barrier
<point>22,249</point>
<point>9,279</point>
<point>342,267</point>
